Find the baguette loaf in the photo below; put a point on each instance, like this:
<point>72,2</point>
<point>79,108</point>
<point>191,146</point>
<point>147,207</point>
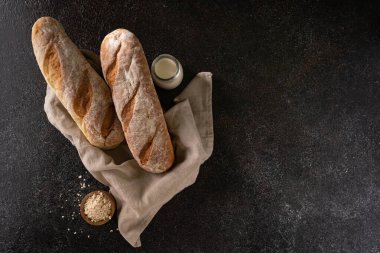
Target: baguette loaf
<point>126,71</point>
<point>80,89</point>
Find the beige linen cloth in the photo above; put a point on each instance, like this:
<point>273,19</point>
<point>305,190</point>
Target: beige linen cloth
<point>139,194</point>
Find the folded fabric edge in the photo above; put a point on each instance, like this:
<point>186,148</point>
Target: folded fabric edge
<point>204,75</point>
<point>187,94</point>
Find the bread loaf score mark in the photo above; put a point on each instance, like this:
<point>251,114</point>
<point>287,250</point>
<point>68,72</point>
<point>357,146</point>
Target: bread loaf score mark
<point>83,96</point>
<point>52,67</point>
<point>147,149</point>
<point>127,113</point>
<point>108,122</point>
<point>113,69</point>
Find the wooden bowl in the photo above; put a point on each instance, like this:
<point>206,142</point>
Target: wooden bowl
<point>113,207</point>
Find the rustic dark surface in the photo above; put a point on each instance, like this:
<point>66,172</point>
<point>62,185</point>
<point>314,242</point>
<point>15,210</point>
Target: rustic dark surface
<point>296,102</point>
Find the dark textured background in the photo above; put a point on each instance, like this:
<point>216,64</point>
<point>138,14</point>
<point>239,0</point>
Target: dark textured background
<point>296,101</point>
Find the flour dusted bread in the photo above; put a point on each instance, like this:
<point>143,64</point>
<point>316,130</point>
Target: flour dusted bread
<point>81,90</point>
<point>127,73</point>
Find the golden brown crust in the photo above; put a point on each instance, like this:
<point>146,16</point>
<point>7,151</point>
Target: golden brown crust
<point>81,90</point>
<point>127,73</point>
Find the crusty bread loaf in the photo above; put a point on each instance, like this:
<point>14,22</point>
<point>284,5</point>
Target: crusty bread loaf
<point>127,73</point>
<point>81,90</point>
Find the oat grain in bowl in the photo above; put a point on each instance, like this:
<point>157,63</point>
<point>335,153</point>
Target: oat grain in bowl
<point>97,207</point>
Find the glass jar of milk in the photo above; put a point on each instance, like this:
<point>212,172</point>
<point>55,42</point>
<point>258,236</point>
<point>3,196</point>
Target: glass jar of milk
<point>167,71</point>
